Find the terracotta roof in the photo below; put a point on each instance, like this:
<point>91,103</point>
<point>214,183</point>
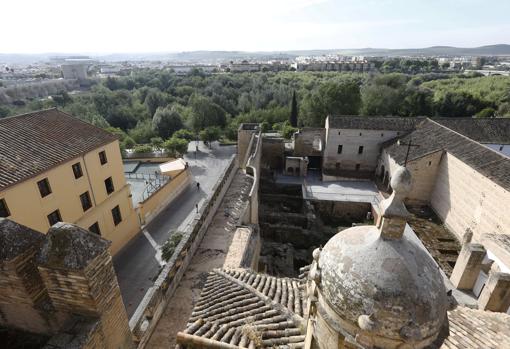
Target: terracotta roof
<point>432,137</point>
<point>241,308</point>
<point>489,130</point>
<point>35,142</point>
<point>374,123</point>
<point>475,329</point>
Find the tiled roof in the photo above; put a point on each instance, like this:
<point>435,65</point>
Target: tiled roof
<point>374,123</point>
<point>35,142</point>
<point>241,308</point>
<point>488,130</point>
<point>476,329</point>
<point>432,137</point>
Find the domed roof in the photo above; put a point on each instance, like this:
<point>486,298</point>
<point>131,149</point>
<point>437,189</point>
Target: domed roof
<point>378,282</point>
<point>394,283</point>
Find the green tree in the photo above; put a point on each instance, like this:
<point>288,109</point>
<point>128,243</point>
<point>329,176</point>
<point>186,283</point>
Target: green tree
<point>4,111</point>
<point>142,148</point>
<point>128,143</point>
<point>166,121</point>
<point>205,113</point>
<point>184,134</point>
<point>210,134</point>
<point>157,142</point>
<point>176,147</point>
<point>153,100</point>
<point>293,111</point>
<point>331,98</point>
<point>143,132</point>
<point>486,113</point>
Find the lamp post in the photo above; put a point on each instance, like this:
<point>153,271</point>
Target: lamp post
<point>409,145</point>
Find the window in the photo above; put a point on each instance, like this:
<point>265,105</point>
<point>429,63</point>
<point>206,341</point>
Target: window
<point>4,210</point>
<point>44,187</point>
<point>339,151</point>
<point>339,132</point>
<point>54,217</point>
<point>357,167</point>
<point>430,163</point>
<point>108,183</point>
<point>85,201</point>
<point>360,149</point>
<point>117,218</point>
<point>360,133</point>
<point>77,170</point>
<point>500,148</point>
<point>382,134</point>
<point>94,228</point>
<point>102,157</point>
<point>337,165</point>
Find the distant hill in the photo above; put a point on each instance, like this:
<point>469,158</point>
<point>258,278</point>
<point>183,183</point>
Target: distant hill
<point>225,56</point>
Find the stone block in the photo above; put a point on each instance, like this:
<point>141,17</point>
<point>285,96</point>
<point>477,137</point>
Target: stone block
<point>496,294</point>
<point>468,265</point>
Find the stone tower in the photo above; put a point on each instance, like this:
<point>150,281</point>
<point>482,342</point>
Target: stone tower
<point>375,287</point>
<point>24,301</point>
<point>78,273</point>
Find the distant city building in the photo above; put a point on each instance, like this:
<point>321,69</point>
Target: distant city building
<point>76,68</point>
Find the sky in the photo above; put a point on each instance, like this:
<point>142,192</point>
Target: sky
<point>121,26</point>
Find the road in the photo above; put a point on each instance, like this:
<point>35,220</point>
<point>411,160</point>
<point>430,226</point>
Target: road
<point>139,263</point>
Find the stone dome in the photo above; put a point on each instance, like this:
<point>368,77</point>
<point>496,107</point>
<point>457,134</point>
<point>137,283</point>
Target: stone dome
<point>384,288</point>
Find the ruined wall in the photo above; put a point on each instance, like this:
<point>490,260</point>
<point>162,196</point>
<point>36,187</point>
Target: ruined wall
<point>272,153</point>
<point>306,141</point>
<point>344,164</point>
<point>335,212</point>
<point>463,198</point>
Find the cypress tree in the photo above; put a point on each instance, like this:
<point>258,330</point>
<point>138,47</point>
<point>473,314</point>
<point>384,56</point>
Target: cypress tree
<point>293,111</point>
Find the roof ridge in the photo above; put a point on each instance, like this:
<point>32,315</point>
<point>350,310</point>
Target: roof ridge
<point>470,139</point>
<point>29,113</point>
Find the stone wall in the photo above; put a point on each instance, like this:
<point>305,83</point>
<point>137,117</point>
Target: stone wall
<point>463,198</point>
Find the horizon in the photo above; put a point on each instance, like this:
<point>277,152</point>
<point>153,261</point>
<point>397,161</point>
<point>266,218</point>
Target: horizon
<point>156,26</point>
<point>245,51</point>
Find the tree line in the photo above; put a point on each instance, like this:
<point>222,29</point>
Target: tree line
<point>165,111</point>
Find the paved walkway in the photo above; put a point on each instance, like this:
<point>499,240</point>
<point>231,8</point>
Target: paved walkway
<point>210,254</point>
<point>138,264</point>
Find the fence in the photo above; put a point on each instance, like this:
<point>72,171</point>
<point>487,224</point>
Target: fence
<point>146,316</point>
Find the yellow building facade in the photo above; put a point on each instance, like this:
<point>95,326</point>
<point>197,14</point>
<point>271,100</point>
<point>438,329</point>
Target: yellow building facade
<point>88,189</point>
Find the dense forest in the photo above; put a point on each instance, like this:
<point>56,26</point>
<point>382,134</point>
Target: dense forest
<point>151,106</point>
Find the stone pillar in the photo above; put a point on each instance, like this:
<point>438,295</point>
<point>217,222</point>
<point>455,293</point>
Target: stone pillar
<point>24,302</point>
<point>78,272</point>
<point>496,294</point>
<point>468,265</point>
